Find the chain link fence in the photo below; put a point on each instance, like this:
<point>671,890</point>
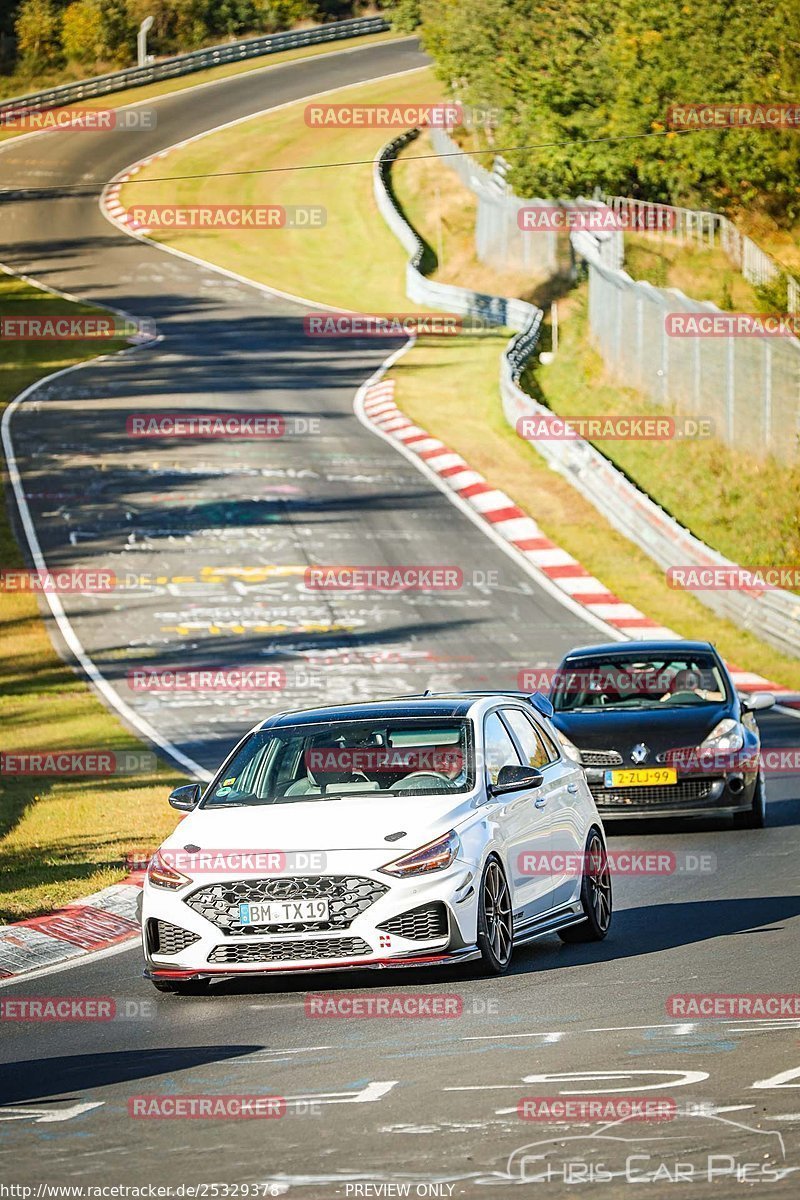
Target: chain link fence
<point>753,382</point>
<point>499,241</point>
<point>747,386</point>
<point>711,230</point>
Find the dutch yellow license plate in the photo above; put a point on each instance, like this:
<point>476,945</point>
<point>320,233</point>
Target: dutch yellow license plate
<point>644,778</point>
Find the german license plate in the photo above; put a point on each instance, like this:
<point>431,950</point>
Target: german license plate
<point>646,778</point>
<point>283,912</point>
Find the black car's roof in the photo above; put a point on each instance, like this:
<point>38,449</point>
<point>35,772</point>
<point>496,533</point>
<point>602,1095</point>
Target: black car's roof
<point>637,649</point>
<point>373,710</point>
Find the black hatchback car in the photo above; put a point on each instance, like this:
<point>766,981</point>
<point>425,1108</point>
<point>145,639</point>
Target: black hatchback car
<point>661,731</point>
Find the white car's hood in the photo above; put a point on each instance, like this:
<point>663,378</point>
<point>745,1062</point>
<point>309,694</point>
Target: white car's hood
<point>358,823</point>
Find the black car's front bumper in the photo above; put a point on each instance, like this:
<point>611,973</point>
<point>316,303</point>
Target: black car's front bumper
<point>693,795</point>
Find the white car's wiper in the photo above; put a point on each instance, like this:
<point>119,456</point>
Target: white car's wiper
<point>243,801</point>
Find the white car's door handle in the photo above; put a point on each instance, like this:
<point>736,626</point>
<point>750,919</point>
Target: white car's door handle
<point>540,803</point>
<point>572,787</point>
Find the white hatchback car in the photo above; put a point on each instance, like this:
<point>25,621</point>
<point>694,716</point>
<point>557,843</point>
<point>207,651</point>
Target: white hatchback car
<point>420,830</point>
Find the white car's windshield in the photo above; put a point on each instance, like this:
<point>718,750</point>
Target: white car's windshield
<point>624,682</point>
<point>337,759</point>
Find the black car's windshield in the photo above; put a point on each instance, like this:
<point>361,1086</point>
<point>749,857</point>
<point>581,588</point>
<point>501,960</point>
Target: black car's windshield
<point>625,682</point>
<point>333,760</point>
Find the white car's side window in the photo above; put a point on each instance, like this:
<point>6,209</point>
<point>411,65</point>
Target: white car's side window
<point>534,749</point>
<point>499,749</point>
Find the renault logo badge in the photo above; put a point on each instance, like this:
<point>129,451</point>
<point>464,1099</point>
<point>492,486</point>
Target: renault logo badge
<point>639,753</point>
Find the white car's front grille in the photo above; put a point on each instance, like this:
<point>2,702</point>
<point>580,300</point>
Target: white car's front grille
<point>349,896</point>
<point>164,938</point>
<point>419,924</point>
<point>290,951</point>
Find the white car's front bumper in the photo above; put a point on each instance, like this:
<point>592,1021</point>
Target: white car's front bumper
<point>375,921</point>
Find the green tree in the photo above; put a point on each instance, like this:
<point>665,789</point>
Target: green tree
<point>545,65</point>
<point>119,33</point>
<point>586,87</point>
<point>37,28</point>
<point>721,52</point>
<point>82,31</point>
<point>405,15</point>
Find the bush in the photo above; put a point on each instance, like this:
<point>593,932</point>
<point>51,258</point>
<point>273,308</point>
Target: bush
<point>82,32</point>
<point>405,15</point>
<point>38,28</point>
<point>572,75</point>
<point>773,296</point>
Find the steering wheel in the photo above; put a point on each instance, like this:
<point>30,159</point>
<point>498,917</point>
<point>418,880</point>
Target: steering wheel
<point>685,694</point>
<point>435,775</point>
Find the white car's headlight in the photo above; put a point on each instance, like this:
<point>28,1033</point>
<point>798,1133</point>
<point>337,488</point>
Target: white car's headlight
<point>433,857</point>
<point>570,750</point>
<point>161,874</point>
<point>726,735</point>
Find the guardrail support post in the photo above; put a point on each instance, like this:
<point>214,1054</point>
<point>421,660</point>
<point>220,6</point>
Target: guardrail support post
<point>141,40</point>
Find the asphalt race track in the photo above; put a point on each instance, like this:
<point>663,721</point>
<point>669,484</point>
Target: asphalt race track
<point>436,1099</point>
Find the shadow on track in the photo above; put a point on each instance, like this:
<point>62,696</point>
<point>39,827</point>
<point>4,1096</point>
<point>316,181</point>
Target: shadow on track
<point>634,932</point>
<point>39,1078</point>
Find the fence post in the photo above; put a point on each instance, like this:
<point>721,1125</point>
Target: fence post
<point>664,364</point>
<point>730,389</point>
<point>767,393</point>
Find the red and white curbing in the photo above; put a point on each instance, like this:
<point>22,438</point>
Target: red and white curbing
<point>519,529</point>
<point>84,926</point>
<point>110,201</point>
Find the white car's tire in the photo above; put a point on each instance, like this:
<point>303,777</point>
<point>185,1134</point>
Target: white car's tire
<point>595,895</point>
<point>495,919</point>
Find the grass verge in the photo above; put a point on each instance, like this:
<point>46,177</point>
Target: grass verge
<point>700,272</point>
<point>316,263</point>
<point>60,837</point>
<point>450,386</point>
<point>745,507</point>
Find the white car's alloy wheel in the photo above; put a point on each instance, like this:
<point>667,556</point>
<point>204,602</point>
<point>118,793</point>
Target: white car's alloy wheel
<point>495,922</point>
<point>595,895</point>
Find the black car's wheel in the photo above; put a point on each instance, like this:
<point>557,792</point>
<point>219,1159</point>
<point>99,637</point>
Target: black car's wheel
<point>595,895</point>
<point>181,987</point>
<point>754,817</point>
<point>495,922</point>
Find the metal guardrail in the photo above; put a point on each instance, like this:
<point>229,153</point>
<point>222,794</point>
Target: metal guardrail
<point>773,616</point>
<point>491,310</point>
<point>197,60</point>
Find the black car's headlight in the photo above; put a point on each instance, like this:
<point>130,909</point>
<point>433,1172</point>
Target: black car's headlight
<point>726,735</point>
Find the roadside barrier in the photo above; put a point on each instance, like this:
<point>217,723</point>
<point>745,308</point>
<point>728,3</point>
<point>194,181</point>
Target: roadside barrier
<point>197,60</point>
<point>774,615</point>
